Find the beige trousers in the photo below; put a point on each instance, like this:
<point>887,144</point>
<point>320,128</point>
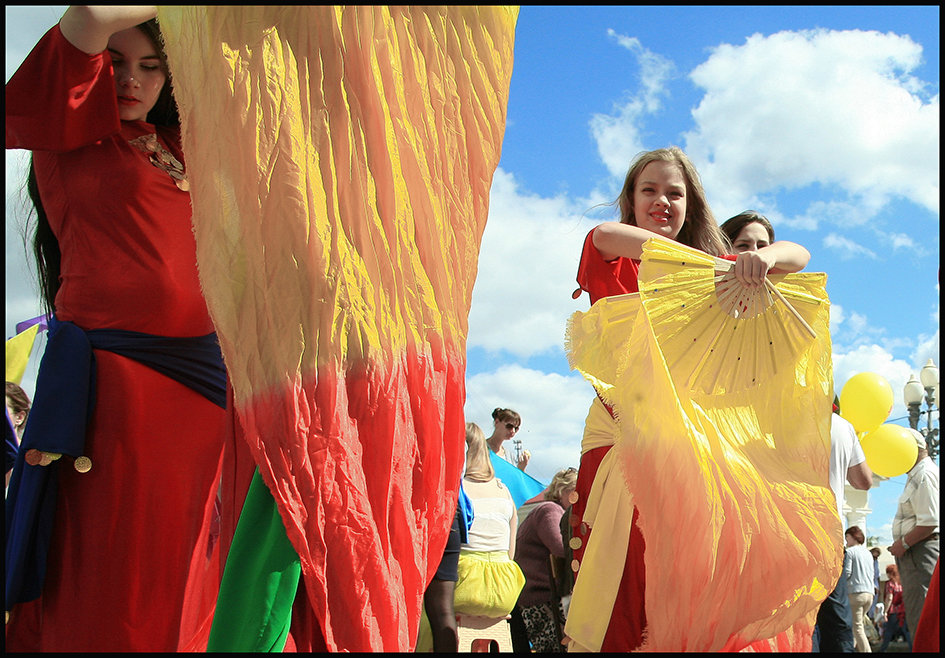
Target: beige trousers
<point>860,604</point>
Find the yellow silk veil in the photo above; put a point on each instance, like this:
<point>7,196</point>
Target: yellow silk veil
<point>340,161</point>
<point>732,485</point>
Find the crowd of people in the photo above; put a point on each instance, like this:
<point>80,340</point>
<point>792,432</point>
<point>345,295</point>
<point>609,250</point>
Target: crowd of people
<point>503,560</point>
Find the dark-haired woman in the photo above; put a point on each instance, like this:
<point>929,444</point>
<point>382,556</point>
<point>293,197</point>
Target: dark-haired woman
<point>130,565</point>
<point>506,424</point>
<point>748,231</point>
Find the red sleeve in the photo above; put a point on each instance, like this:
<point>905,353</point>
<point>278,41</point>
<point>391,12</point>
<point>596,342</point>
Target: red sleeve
<point>604,278</point>
<point>60,98</point>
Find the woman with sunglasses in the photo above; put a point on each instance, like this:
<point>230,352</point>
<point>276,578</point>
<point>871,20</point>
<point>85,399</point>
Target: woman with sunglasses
<point>506,424</point>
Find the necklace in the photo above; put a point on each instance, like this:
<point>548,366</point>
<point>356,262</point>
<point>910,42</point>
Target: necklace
<point>161,158</point>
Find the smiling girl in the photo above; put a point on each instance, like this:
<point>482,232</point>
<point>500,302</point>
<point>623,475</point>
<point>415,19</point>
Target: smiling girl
<point>131,565</point>
<point>662,198</point>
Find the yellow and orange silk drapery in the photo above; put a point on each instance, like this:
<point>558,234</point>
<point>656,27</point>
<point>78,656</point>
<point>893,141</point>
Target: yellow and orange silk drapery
<point>340,162</point>
<point>735,507</point>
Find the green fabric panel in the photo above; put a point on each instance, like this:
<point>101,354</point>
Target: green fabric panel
<point>254,607</point>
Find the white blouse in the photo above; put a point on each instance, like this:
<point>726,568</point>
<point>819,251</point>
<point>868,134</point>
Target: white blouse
<point>490,529</point>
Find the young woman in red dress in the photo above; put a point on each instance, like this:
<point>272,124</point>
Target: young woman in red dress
<point>130,563</point>
<point>662,197</point>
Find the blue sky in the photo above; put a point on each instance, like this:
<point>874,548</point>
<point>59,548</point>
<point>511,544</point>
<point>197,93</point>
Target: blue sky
<point>826,119</point>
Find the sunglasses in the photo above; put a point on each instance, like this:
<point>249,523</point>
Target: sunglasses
<point>511,426</point>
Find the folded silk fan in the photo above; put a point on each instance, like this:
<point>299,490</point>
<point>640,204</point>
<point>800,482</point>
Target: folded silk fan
<point>717,335</point>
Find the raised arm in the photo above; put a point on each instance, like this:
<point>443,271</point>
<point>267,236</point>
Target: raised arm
<point>89,28</point>
<point>614,239</point>
<point>778,257</point>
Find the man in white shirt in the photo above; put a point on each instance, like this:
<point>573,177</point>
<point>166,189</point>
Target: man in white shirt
<point>834,630</point>
<point>915,532</point>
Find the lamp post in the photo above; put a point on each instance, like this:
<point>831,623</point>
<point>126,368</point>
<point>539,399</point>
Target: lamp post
<point>518,450</point>
<point>913,394</point>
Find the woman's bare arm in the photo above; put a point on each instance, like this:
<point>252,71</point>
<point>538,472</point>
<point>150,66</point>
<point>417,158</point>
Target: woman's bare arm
<point>89,28</point>
<point>614,239</point>
<point>779,257</point>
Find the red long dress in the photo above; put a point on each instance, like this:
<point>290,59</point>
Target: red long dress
<point>130,565</point>
<point>602,278</point>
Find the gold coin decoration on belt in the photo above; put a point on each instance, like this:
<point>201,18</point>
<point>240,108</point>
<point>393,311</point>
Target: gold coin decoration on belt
<point>83,464</point>
<point>36,457</point>
<point>33,457</point>
<point>575,543</point>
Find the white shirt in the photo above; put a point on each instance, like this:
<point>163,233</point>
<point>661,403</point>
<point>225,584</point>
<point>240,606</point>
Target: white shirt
<point>490,529</point>
<point>845,451</point>
<point>918,504</point>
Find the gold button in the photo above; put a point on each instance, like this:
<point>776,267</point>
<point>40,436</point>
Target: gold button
<point>575,565</point>
<point>584,529</point>
<point>575,543</point>
<point>83,464</point>
<point>573,497</point>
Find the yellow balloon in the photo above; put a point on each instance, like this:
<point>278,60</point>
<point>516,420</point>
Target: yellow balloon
<point>890,450</point>
<point>865,401</point>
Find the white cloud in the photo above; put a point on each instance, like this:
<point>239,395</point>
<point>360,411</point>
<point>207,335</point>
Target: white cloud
<point>837,213</point>
<point>838,109</point>
<point>527,266</point>
<point>846,248</point>
<point>901,241</point>
<point>858,322</point>
<point>927,347</point>
<point>618,135</point>
<point>654,70</point>
<point>837,316</point>
<point>553,408</point>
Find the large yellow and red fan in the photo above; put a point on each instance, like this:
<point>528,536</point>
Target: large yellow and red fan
<point>717,335</point>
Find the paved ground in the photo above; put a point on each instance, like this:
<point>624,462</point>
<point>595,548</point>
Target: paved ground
<point>896,646</point>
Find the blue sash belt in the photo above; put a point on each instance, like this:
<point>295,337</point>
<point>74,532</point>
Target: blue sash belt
<point>62,407</point>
